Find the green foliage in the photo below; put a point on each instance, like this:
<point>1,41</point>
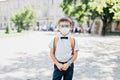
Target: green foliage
<point>23,19</point>
<point>7,29</point>
<point>116,10</point>
<point>82,10</point>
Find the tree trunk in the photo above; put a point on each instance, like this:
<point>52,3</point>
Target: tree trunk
<point>110,26</point>
<point>90,27</point>
<point>19,28</point>
<point>104,29</point>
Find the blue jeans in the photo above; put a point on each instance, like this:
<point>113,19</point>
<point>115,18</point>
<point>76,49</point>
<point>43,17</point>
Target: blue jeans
<point>67,75</point>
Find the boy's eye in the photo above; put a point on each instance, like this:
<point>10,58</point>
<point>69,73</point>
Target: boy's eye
<point>65,25</point>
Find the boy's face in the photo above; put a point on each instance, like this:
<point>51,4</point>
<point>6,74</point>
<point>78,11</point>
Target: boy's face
<point>64,27</point>
<point>64,24</point>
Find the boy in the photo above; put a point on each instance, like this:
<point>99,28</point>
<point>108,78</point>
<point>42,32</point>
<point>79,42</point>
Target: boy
<point>61,51</point>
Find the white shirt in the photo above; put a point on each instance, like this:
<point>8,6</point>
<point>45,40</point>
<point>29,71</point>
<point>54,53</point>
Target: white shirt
<point>63,51</point>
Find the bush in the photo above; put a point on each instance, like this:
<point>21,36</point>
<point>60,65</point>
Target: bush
<point>7,30</point>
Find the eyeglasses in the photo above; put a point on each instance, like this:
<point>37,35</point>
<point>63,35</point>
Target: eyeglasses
<point>64,25</point>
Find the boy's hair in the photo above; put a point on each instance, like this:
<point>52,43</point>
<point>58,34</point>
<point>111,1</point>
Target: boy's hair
<point>65,19</point>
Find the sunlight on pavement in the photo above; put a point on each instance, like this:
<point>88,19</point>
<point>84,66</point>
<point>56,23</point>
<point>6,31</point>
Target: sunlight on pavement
<point>27,57</point>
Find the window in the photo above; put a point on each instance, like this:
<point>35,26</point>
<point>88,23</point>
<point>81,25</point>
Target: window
<point>51,2</point>
<point>58,1</point>
<point>0,17</point>
<point>51,13</point>
<point>46,2</point>
<point>5,18</point>
<point>38,2</point>
<point>45,14</point>
<point>60,12</point>
<point>0,25</point>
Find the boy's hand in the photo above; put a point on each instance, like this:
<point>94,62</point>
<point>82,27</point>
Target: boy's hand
<point>59,66</point>
<point>65,66</point>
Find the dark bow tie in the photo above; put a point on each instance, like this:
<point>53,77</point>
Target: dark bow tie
<point>64,37</point>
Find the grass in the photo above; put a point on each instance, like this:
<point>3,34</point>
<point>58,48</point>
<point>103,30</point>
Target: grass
<point>12,33</point>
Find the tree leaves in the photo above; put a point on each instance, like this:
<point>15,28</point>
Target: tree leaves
<point>82,10</point>
<point>92,8</point>
<point>24,18</point>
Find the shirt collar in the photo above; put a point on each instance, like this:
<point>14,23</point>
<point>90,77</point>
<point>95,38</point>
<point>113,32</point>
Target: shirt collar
<point>60,35</point>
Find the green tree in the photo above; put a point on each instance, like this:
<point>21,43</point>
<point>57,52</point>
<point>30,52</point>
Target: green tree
<point>83,10</point>
<point>7,29</point>
<point>23,19</point>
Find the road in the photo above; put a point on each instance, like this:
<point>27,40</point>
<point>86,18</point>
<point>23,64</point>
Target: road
<point>27,57</point>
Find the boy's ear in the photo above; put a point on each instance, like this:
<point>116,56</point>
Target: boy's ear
<point>71,27</point>
<point>58,28</point>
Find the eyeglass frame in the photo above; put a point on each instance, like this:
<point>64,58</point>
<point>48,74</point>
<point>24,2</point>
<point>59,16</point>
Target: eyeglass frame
<point>64,25</point>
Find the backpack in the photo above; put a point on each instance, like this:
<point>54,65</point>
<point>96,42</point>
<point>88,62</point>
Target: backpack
<point>72,41</point>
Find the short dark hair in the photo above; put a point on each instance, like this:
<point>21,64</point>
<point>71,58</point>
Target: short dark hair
<point>65,19</point>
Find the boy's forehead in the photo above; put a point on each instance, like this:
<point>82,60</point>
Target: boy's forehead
<point>64,22</point>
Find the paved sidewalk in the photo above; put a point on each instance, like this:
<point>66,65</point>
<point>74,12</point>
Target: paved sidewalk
<point>27,57</point>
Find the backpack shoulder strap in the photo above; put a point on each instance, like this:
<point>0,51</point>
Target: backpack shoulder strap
<point>72,41</point>
<point>55,42</point>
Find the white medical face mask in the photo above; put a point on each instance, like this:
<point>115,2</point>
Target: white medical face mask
<point>64,31</point>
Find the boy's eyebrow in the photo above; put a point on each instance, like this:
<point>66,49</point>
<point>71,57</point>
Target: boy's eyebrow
<point>64,24</point>
<point>65,20</point>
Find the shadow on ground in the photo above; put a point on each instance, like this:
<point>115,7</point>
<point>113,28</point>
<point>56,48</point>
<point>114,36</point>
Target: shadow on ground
<point>97,61</point>
<point>104,64</point>
<point>28,67</point>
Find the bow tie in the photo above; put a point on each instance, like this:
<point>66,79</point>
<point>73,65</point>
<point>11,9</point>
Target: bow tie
<point>64,37</point>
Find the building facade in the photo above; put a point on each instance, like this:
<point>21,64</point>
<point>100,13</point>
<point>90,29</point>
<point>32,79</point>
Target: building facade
<point>47,11</point>
<point>47,14</point>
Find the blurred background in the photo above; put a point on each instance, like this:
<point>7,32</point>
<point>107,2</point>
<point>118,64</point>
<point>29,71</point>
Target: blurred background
<point>28,26</point>
<point>90,16</point>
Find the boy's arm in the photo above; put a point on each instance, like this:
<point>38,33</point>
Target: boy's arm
<point>74,56</point>
<point>52,55</point>
<point>75,53</point>
<point>66,66</point>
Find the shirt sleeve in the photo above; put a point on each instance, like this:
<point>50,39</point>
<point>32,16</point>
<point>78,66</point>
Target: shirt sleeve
<point>76,48</point>
<point>51,44</point>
